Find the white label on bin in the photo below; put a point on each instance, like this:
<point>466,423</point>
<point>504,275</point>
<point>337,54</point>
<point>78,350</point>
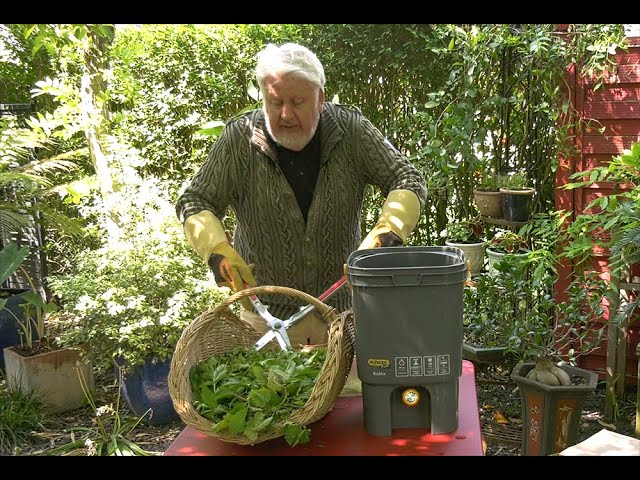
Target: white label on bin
<point>430,365</point>
<point>415,366</point>
<point>444,364</point>
<point>402,367</point>
<point>427,365</point>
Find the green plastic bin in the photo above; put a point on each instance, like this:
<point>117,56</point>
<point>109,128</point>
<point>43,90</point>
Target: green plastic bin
<point>407,306</point>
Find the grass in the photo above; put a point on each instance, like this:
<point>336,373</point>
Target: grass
<point>21,415</point>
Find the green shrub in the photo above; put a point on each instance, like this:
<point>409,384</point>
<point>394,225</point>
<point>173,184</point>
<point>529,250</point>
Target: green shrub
<point>131,299</point>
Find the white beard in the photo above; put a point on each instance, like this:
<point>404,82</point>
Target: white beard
<point>293,141</point>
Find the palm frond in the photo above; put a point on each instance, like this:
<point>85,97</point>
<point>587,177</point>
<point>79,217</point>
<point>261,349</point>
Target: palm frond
<point>60,221</point>
<point>49,165</point>
<point>11,219</point>
<point>14,176</point>
<point>73,154</point>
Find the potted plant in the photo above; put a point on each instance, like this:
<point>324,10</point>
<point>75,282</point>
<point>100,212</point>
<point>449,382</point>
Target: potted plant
<point>516,197</point>
<point>546,340</point>
<point>491,306</point>
<point>38,364</point>
<point>487,196</point>
<point>468,237</point>
<point>12,315</point>
<point>506,243</point>
<point>131,300</point>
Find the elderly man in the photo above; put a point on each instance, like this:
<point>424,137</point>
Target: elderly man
<point>295,174</point>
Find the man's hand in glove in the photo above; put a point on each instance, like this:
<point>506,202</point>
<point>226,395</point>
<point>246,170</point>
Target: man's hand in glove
<point>381,236</point>
<point>229,269</point>
<point>206,234</point>
<point>400,215</point>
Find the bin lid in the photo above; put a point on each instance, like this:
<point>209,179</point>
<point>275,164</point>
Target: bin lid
<point>428,261</point>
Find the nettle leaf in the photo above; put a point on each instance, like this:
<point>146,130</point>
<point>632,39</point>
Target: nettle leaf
<point>224,393</point>
<point>260,398</point>
<point>274,381</point>
<point>237,419</point>
<point>293,387</point>
<point>283,374</point>
<point>295,434</point>
<point>218,374</point>
<point>256,424</point>
<point>208,398</point>
<point>310,371</point>
<point>258,373</point>
<point>222,425</point>
<point>205,412</point>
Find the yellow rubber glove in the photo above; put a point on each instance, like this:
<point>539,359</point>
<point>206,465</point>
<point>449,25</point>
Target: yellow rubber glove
<point>400,215</point>
<point>205,233</point>
<point>229,269</point>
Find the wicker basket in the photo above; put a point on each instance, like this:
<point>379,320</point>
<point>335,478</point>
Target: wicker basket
<point>219,330</point>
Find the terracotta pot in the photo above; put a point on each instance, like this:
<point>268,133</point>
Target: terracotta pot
<point>489,204</point>
<point>54,376</point>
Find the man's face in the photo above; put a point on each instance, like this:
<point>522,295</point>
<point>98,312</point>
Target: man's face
<point>292,107</point>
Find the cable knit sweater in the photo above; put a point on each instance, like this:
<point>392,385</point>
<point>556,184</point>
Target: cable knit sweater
<point>241,172</point>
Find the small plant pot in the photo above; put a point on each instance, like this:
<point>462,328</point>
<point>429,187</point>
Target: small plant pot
<point>473,253</point>
<point>488,204</point>
<point>493,257</point>
<point>551,414</point>
<point>483,354</point>
<point>516,204</point>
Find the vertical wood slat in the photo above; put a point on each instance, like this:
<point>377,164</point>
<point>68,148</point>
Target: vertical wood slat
<point>565,199</point>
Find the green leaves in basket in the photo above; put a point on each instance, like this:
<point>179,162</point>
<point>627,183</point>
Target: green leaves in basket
<point>294,434</point>
<point>255,392</point>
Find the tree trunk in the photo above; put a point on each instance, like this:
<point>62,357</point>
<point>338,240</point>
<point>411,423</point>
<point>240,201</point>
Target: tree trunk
<point>95,116</point>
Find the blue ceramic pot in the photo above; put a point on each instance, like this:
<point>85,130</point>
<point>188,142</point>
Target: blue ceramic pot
<point>145,388</point>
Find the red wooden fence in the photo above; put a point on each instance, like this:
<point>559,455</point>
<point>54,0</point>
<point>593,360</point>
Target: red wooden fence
<point>616,107</point>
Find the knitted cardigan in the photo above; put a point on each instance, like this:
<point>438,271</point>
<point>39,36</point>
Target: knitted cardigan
<point>241,172</point>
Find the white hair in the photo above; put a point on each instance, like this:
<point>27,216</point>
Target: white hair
<point>289,58</point>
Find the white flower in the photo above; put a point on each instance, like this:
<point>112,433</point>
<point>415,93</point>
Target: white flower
<point>105,410</point>
<point>91,447</point>
<point>85,302</point>
<point>134,302</point>
<point>108,294</point>
<point>126,330</point>
<point>115,308</point>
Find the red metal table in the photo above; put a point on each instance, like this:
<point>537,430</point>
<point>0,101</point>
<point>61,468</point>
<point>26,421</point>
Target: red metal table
<point>342,432</point>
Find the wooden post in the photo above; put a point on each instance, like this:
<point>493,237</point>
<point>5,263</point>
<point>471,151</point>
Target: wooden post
<point>612,353</point>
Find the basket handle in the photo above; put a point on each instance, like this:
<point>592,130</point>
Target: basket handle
<point>322,308</point>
